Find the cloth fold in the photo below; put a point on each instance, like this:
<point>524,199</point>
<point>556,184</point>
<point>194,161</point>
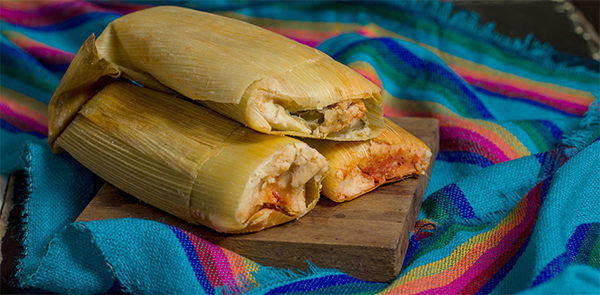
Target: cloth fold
<point>512,202</point>
<point>133,255</point>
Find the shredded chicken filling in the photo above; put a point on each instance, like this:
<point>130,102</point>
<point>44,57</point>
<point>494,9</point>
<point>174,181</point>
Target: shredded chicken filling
<point>343,118</point>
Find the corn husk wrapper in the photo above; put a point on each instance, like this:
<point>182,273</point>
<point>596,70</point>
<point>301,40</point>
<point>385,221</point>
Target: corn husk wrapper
<point>87,74</point>
<point>266,81</point>
<point>192,162</point>
<point>179,156</point>
<point>356,168</point>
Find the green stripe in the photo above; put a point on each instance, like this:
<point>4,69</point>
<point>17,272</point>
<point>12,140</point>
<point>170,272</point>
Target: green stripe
<point>383,65</point>
<point>41,83</point>
<point>447,237</point>
<point>595,255</point>
<point>433,211</point>
<point>589,251</point>
<point>453,33</point>
<point>533,132</point>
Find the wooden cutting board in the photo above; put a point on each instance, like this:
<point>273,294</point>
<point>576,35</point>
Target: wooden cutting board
<point>366,238</point>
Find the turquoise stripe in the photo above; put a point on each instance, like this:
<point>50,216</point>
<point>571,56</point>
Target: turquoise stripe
<point>347,289</point>
<point>22,73</point>
<point>525,138</point>
<point>69,40</point>
<point>26,88</point>
<point>397,85</point>
<point>446,172</point>
<point>484,35</point>
<point>504,107</point>
<point>194,260</point>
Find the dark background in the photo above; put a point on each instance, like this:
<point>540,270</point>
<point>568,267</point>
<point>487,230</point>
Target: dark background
<point>549,21</point>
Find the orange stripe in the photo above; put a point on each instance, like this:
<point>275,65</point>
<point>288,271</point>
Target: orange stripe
<point>367,71</point>
<point>497,135</point>
<point>241,269</point>
<point>493,136</point>
<point>22,40</point>
<point>368,31</point>
<point>307,35</point>
<point>20,109</point>
<point>470,255</point>
<point>575,97</point>
<point>30,5</point>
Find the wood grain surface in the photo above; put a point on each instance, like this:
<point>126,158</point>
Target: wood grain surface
<point>366,238</point>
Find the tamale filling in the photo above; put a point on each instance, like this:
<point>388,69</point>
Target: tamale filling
<point>346,118</point>
<point>278,199</point>
<point>279,183</point>
<point>387,163</point>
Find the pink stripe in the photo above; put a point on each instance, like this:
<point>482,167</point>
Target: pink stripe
<point>460,139</point>
<point>220,261</point>
<point>222,264</point>
<point>310,43</point>
<point>512,91</point>
<point>50,55</point>
<point>207,263</point>
<point>22,122</point>
<point>125,8</point>
<point>49,14</point>
<point>512,240</point>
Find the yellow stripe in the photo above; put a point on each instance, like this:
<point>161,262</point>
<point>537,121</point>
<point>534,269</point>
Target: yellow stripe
<point>513,219</point>
<point>454,60</point>
<point>25,100</point>
<point>438,109</point>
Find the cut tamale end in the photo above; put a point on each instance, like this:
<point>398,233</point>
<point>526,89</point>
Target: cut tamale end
<point>266,81</point>
<point>192,162</point>
<point>284,186</point>
<point>356,168</point>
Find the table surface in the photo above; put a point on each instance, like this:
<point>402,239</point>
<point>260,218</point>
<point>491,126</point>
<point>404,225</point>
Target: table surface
<point>551,22</point>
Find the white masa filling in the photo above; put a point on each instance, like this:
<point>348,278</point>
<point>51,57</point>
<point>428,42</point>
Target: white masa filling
<point>278,184</point>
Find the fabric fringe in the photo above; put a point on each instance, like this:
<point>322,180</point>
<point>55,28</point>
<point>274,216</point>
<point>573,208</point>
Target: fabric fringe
<point>469,21</point>
<point>446,13</point>
<point>589,128</point>
<point>19,269</point>
<point>269,278</point>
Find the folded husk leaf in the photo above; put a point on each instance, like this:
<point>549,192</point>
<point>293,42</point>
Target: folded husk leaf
<point>255,76</point>
<point>356,168</point>
<point>86,75</point>
<point>192,162</point>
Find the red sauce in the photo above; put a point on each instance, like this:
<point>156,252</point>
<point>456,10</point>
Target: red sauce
<point>389,167</point>
<point>277,198</point>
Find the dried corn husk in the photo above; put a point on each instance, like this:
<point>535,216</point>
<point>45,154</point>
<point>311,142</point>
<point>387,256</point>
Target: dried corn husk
<point>259,78</point>
<point>86,75</point>
<point>359,167</point>
<point>192,162</point>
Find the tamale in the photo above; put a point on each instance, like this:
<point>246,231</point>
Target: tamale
<point>356,168</point>
<point>264,80</point>
<point>192,162</point>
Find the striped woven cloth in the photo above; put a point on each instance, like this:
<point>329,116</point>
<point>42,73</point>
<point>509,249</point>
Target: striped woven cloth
<point>512,202</point>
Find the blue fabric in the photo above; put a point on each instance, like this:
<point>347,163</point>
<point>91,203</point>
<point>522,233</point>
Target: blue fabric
<point>514,188</point>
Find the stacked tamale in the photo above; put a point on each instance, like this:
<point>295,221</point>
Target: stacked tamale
<point>222,123</point>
